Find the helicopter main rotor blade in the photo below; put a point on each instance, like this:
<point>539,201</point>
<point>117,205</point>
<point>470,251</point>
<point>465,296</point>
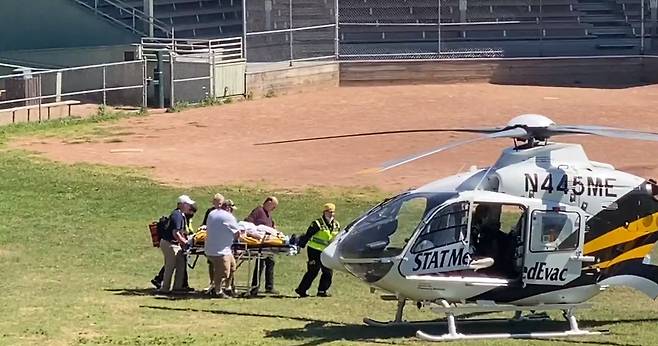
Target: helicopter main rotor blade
<point>364,134</point>
<point>511,133</point>
<point>602,131</point>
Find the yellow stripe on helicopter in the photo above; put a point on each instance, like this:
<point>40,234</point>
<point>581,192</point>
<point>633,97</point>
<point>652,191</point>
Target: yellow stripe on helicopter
<point>636,229</point>
<point>638,252</point>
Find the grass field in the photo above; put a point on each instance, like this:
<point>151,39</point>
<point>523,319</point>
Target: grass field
<point>77,262</point>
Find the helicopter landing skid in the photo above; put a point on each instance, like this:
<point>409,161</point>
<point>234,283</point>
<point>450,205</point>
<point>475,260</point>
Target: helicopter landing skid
<point>397,321</point>
<point>454,335</point>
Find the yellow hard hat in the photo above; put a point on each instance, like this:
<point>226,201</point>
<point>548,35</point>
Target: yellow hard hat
<point>329,207</point>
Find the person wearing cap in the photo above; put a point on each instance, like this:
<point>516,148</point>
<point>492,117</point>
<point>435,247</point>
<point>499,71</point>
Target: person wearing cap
<point>262,215</point>
<point>172,244</point>
<point>217,201</point>
<point>157,280</point>
<point>223,229</point>
<point>319,235</point>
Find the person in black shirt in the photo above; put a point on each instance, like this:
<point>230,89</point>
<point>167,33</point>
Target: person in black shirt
<point>172,243</point>
<point>157,280</point>
<point>217,201</point>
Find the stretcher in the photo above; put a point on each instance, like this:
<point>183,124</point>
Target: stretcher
<point>245,251</point>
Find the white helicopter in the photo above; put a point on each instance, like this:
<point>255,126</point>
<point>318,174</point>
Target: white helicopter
<point>544,228</point>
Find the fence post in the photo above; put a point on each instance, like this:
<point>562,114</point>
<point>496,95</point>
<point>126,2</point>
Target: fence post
<point>172,55</point>
<point>336,20</point>
<point>148,9</point>
<point>642,27</point>
<point>438,28</point>
<point>104,86</point>
<point>290,25</point>
<point>58,86</point>
<point>144,83</point>
<point>244,29</point>
<point>40,94</point>
<point>211,62</point>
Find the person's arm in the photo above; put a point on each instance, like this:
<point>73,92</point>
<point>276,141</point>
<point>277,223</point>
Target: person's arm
<point>234,227</point>
<point>254,216</point>
<point>178,229</point>
<point>312,229</point>
<point>205,217</point>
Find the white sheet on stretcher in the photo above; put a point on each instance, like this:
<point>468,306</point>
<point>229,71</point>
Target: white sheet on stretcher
<point>259,231</point>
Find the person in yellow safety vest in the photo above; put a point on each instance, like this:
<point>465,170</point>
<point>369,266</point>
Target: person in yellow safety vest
<point>319,235</point>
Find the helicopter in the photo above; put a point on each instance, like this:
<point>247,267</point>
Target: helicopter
<point>543,228</point>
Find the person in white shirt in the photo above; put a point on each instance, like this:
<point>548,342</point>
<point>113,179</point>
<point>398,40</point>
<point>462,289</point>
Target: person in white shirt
<point>223,229</point>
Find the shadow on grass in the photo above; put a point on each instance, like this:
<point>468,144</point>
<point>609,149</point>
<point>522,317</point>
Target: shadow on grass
<point>321,334</point>
<point>318,331</point>
<point>184,295</point>
<point>247,314</point>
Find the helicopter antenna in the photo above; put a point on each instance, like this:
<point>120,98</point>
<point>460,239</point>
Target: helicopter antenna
<point>477,187</point>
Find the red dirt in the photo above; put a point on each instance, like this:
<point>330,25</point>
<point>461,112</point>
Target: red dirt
<point>211,146</point>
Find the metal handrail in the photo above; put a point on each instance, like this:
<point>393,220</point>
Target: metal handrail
<point>191,46</point>
<point>123,7</point>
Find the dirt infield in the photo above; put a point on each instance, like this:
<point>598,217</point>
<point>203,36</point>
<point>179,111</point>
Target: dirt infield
<point>209,146</point>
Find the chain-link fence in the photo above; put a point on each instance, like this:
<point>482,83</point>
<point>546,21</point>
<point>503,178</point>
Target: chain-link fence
<point>30,95</point>
<point>290,30</point>
<point>382,29</point>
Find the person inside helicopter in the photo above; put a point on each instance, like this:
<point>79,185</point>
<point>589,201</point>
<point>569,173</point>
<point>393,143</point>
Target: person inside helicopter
<point>489,241</point>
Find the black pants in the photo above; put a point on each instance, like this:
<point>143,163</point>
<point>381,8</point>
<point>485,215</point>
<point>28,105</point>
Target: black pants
<point>268,263</point>
<point>313,267</point>
<point>160,276</point>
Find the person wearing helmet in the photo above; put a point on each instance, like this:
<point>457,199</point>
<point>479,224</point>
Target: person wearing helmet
<point>319,235</point>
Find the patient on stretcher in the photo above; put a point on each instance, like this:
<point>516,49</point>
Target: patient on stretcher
<point>253,235</point>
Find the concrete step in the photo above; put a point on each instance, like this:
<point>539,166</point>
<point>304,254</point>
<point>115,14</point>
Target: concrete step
<point>615,46</point>
<point>602,18</point>
<point>589,7</point>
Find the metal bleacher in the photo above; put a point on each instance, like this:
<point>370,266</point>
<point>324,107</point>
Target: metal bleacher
<point>482,20</point>
<point>189,18</point>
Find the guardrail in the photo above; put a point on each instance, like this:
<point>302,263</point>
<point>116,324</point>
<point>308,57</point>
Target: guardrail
<point>223,49</point>
<point>136,16</point>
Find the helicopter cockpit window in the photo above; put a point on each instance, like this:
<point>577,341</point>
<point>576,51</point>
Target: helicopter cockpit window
<point>553,231</point>
<point>446,227</point>
<point>386,229</point>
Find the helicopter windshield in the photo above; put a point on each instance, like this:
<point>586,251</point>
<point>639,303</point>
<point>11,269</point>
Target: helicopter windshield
<point>385,230</point>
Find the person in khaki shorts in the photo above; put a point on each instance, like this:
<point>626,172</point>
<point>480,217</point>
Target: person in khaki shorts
<point>223,229</point>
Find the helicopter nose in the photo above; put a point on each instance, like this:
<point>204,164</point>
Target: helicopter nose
<point>329,258</point>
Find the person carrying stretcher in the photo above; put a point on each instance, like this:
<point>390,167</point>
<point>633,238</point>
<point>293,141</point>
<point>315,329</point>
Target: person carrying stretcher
<point>319,235</point>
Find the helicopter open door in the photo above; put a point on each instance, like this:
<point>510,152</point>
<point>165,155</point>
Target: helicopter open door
<point>553,246</point>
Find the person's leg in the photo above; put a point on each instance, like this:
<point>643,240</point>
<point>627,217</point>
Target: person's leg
<point>217,273</point>
<point>186,283</point>
<point>255,279</point>
<point>325,280</point>
<point>269,274</point>
<point>229,263</point>
<point>180,267</point>
<point>234,267</point>
<point>211,273</point>
<point>160,275</point>
<point>169,264</point>
<point>312,269</point>
<point>225,272</point>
